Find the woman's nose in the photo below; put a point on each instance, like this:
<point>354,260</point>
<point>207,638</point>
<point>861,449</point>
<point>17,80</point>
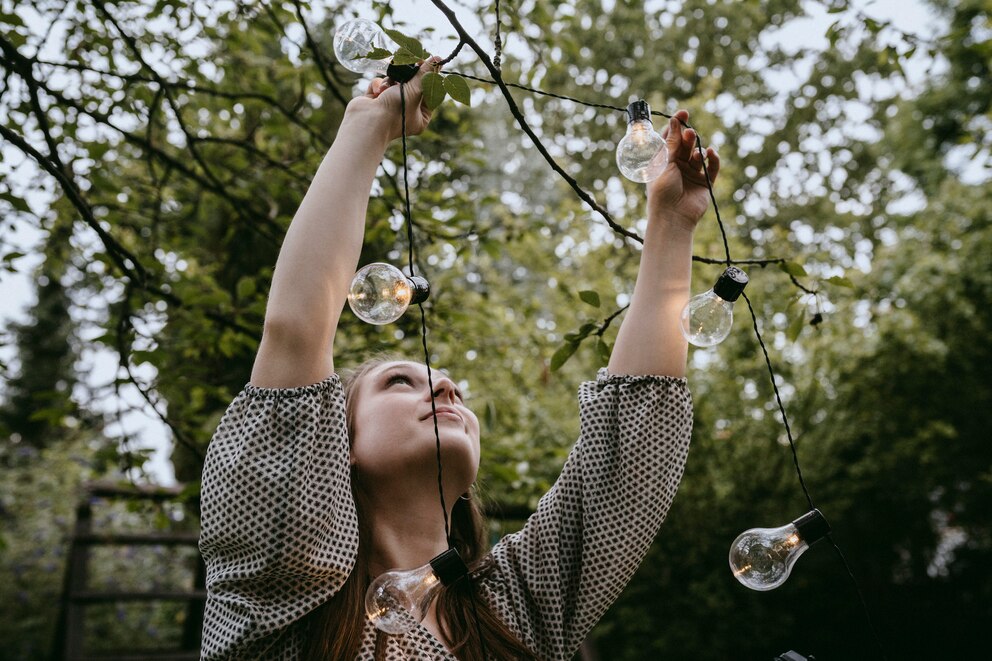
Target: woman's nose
<point>444,388</point>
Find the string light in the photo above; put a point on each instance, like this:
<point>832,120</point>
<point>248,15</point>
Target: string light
<point>762,558</point>
<point>641,153</point>
<point>398,600</point>
<point>357,38</point>
<point>380,293</point>
<point>707,318</point>
<point>401,599</point>
<point>800,542</point>
<point>345,60</point>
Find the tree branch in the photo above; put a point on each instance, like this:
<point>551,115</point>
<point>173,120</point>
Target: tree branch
<point>522,122</point>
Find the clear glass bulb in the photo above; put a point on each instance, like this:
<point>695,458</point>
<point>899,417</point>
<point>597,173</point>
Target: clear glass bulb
<point>380,293</point>
<point>398,600</point>
<point>762,558</point>
<point>356,38</point>
<point>642,154</point>
<point>707,319</point>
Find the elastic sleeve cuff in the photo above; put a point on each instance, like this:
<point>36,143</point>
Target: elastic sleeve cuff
<point>605,378</point>
<point>332,382</point>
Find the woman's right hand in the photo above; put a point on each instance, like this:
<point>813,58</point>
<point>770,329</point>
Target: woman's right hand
<point>382,101</point>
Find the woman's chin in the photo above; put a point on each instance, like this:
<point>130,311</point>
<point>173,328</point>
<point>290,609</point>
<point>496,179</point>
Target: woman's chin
<point>459,454</point>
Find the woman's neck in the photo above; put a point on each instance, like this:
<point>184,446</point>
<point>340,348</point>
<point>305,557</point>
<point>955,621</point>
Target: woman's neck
<point>406,533</point>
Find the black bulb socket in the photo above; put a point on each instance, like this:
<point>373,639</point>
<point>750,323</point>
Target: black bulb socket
<point>401,73</point>
<point>812,526</point>
<point>730,285</point>
<point>449,567</point>
<point>638,110</point>
<point>421,289</point>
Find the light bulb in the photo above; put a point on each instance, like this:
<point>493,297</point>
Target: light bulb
<point>641,154</point>
<point>380,293</point>
<point>398,600</point>
<point>358,37</point>
<point>708,317</point>
<point>762,558</point>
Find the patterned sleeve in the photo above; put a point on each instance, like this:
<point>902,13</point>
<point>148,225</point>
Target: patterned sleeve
<point>555,578</point>
<point>279,531</point>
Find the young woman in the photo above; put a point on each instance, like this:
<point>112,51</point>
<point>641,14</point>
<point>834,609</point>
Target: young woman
<point>314,484</point>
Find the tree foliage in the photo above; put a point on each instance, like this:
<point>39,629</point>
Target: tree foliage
<point>183,135</point>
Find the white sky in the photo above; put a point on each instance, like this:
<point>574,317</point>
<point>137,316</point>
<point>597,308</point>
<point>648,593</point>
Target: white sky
<point>17,291</point>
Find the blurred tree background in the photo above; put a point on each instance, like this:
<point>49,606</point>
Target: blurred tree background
<point>175,139</point>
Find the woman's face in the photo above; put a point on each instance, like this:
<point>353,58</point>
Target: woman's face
<point>394,428</point>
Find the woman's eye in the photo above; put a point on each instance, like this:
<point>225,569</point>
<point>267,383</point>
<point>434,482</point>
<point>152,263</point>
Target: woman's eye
<point>399,378</point>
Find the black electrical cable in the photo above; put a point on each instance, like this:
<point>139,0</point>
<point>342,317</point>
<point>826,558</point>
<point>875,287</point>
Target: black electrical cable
<point>728,261</point>
<point>781,406</point>
<point>427,362</point>
<point>423,317</point>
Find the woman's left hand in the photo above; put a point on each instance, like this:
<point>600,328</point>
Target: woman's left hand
<point>382,101</point>
<point>680,194</point>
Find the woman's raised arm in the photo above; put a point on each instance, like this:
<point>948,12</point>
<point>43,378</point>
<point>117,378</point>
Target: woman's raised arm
<point>320,252</point>
<point>650,341</point>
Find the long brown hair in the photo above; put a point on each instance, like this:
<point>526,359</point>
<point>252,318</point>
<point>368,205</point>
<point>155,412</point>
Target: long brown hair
<point>335,628</point>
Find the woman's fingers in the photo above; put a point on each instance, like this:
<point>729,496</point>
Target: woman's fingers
<point>673,137</point>
<point>712,163</point>
<point>695,171</point>
<point>415,84</point>
<point>688,146</point>
<point>679,139</point>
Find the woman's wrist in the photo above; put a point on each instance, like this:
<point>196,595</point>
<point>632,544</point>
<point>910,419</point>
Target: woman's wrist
<point>672,226</point>
<point>368,123</point>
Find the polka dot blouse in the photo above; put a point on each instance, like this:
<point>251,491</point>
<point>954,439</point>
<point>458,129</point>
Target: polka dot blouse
<point>280,534</point>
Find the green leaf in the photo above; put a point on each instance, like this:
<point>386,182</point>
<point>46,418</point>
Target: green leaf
<point>9,18</point>
<point>493,248</point>
<point>190,492</point>
<point>458,89</point>
<point>590,297</point>
<point>246,287</point>
<point>840,281</point>
<point>604,350</point>
<point>794,269</point>
<point>140,357</point>
<point>834,33</point>
<point>433,89</point>
<point>796,326</point>
<point>374,54</point>
<point>16,202</point>
<point>489,416</point>
<point>582,333</point>
<point>408,43</point>
<point>16,37</point>
<point>403,56</point>
<point>564,352</point>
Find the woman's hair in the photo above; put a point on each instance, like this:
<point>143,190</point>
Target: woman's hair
<point>335,628</point>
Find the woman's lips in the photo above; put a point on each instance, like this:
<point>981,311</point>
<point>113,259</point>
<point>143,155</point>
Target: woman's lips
<point>446,412</point>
